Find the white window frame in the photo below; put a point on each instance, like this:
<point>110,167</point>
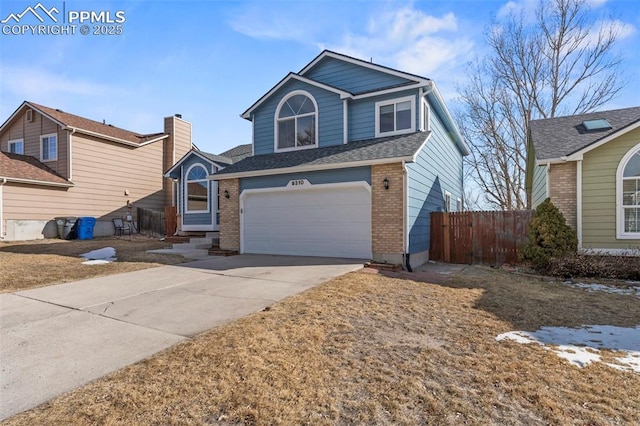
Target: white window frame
<point>425,116</point>
<point>42,137</point>
<point>620,232</point>
<point>393,102</point>
<point>15,142</point>
<point>276,121</point>
<point>186,189</point>
<point>447,201</point>
<point>459,205</point>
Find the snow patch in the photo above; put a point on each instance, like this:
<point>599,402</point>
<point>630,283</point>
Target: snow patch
<point>581,346</point>
<point>99,256</point>
<point>633,290</point>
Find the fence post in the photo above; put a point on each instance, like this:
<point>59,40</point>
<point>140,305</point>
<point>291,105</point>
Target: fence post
<point>446,240</point>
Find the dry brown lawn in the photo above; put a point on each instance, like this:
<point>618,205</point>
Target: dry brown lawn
<point>32,264</point>
<point>368,348</point>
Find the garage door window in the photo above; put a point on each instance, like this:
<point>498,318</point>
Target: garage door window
<point>296,122</point>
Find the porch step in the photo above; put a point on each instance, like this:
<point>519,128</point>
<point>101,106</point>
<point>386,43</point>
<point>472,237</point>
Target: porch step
<point>201,241</point>
<point>217,251</point>
<point>177,239</point>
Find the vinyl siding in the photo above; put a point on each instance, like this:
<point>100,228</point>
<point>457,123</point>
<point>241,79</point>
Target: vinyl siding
<point>329,117</point>
<point>438,168</point>
<point>102,171</point>
<point>599,193</point>
<point>350,77</point>
<point>362,114</point>
<point>30,133</point>
<point>354,174</point>
<point>539,192</point>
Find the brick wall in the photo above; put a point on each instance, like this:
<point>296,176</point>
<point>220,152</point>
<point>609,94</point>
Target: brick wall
<point>562,189</point>
<point>386,210</point>
<point>230,214</point>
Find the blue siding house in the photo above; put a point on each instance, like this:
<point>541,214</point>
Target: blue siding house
<point>350,158</point>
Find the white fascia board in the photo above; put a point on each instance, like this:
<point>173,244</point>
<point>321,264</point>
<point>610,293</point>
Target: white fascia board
<point>292,76</point>
<point>361,63</point>
<point>202,157</point>
<point>449,118</point>
<point>37,182</point>
<point>310,168</point>
<point>419,85</point>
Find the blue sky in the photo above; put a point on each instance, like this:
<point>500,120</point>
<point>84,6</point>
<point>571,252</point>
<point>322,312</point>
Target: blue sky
<point>210,60</point>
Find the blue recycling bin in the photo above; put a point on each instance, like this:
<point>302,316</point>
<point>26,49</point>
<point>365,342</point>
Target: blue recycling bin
<point>85,228</point>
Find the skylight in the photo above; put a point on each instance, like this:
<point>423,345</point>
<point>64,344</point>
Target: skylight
<point>599,124</point>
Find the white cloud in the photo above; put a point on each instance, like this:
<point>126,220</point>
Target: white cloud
<point>410,40</point>
<point>33,83</point>
<point>262,22</point>
<point>525,7</point>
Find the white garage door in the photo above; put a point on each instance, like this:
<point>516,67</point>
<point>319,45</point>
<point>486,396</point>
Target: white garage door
<point>322,221</point>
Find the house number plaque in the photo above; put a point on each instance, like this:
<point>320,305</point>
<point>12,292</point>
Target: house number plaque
<point>298,183</point>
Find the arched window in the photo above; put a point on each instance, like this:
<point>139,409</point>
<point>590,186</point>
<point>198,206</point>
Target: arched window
<point>197,189</point>
<point>296,122</point>
<point>629,195</point>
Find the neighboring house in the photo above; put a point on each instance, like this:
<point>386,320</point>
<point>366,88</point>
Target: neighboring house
<point>589,165</point>
<point>197,197</point>
<point>53,163</point>
<point>349,159</point>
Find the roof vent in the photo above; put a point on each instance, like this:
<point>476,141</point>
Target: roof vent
<point>178,115</point>
<point>30,116</point>
<point>599,124</point>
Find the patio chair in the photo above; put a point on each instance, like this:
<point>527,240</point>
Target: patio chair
<point>121,227</point>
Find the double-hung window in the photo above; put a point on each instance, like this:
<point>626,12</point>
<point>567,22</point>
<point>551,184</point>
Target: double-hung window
<point>396,116</point>
<point>49,147</point>
<point>16,146</point>
<point>296,122</point>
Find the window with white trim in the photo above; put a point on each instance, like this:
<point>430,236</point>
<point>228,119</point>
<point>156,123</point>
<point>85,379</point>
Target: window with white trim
<point>447,201</point>
<point>424,122</point>
<point>396,116</point>
<point>296,124</point>
<point>459,205</point>
<point>49,147</point>
<point>197,189</point>
<point>16,146</point>
<point>629,181</point>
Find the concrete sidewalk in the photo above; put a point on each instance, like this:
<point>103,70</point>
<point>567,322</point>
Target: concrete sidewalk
<point>57,338</point>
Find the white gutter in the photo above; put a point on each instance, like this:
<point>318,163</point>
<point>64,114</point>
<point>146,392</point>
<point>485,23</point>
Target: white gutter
<point>2,182</point>
<point>405,219</point>
<point>579,203</point>
<point>111,138</point>
<point>36,182</point>
<point>309,168</point>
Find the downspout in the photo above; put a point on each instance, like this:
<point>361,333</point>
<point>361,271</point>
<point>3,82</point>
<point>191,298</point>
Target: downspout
<point>579,203</point>
<point>2,182</point>
<point>70,174</point>
<point>345,121</point>
<point>405,220</point>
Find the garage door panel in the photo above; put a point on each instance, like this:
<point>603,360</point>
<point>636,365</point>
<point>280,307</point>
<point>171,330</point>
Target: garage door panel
<point>314,222</point>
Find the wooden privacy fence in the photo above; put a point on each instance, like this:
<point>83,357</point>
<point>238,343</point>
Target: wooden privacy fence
<point>491,238</point>
<point>151,221</point>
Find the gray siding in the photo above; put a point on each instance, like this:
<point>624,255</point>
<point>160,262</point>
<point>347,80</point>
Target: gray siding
<point>438,168</point>
<point>350,77</point>
<point>539,191</point>
<point>362,114</point>
<point>354,174</point>
<point>329,117</point>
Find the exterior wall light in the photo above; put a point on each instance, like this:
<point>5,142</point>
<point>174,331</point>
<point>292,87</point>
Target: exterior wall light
<point>226,194</point>
<point>385,182</point>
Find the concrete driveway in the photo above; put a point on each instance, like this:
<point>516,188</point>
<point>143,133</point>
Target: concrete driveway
<point>57,338</point>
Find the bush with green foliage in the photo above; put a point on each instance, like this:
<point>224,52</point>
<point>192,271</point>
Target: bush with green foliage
<point>549,237</point>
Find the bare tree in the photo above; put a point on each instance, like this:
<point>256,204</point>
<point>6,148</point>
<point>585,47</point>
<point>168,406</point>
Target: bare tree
<point>560,63</point>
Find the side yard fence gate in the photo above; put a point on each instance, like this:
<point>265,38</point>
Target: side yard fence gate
<point>487,237</point>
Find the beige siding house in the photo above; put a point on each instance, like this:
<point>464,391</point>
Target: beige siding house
<point>589,165</point>
<point>53,163</point>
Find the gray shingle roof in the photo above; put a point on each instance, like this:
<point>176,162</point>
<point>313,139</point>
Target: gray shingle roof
<point>238,153</point>
<point>563,136</point>
<point>219,159</point>
<point>364,150</point>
